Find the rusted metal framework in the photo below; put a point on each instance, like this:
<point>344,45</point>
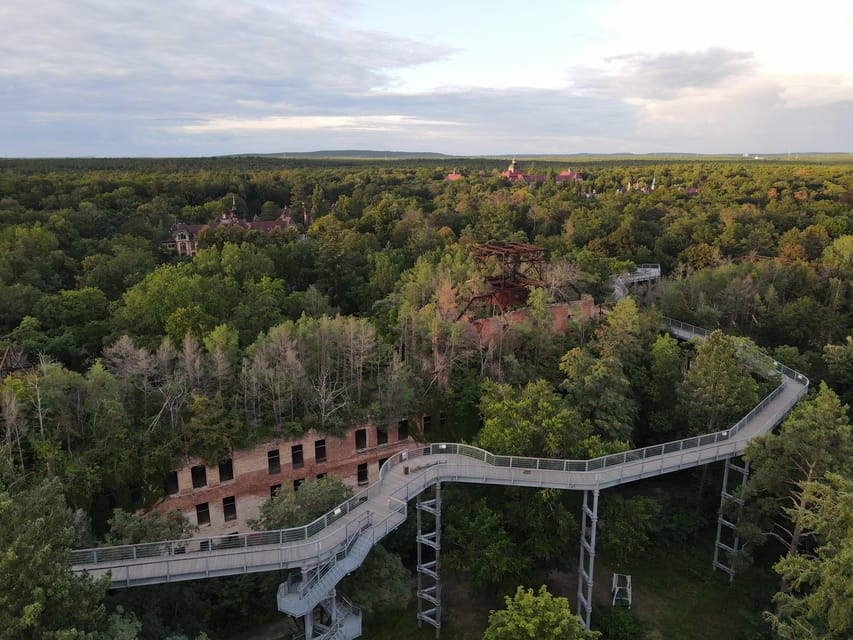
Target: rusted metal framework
<point>12,360</point>
<point>519,267</point>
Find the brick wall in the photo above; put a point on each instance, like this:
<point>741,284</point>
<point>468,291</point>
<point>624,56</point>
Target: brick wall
<point>253,476</point>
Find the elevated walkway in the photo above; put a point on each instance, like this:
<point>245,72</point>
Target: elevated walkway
<point>336,544</point>
<point>648,273</point>
<point>360,522</point>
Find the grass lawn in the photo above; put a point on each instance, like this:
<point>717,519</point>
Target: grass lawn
<point>678,597</point>
<point>464,618</point>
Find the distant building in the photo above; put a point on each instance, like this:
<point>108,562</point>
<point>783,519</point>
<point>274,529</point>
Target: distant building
<point>514,174</point>
<point>640,186</point>
<point>220,498</point>
<point>183,239</point>
<point>568,176</point>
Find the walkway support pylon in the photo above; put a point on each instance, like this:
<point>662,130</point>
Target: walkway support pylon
<point>726,528</point>
<point>586,565</point>
<point>429,549</point>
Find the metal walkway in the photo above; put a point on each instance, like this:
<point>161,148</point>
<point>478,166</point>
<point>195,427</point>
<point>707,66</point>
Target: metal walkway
<point>648,273</point>
<point>373,513</point>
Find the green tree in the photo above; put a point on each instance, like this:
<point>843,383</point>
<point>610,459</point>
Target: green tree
<point>717,387</point>
<point>656,389</point>
<point>115,274</point>
<point>626,334</point>
<point>600,392</point>
<point>626,526</point>
<point>816,605</point>
<point>296,507</point>
<point>381,582</point>
<point>41,598</point>
<point>840,253</point>
<point>532,421</point>
<point>815,439</point>
<point>222,345</point>
<point>496,560</point>
<point>210,433</point>
<point>129,528</point>
<point>839,363</point>
<point>536,616</point>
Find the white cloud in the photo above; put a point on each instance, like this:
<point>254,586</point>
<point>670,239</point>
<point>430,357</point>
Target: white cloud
<point>293,45</point>
<point>311,123</point>
<point>198,77</point>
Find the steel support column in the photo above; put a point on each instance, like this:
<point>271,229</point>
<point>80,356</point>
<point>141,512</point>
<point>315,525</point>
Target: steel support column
<point>309,616</point>
<point>586,565</point>
<point>309,624</point>
<point>331,607</point>
<point>429,548</point>
<point>728,528</point>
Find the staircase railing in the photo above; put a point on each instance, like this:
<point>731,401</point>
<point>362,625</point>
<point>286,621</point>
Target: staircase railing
<point>345,548</point>
<point>345,609</point>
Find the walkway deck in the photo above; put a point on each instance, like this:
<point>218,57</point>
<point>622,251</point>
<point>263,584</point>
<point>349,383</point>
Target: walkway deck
<point>382,507</point>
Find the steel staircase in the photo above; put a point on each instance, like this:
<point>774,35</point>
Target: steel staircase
<point>298,598</point>
<point>345,625</point>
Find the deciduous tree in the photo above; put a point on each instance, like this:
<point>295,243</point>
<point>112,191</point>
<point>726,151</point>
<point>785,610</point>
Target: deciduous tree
<point>536,616</point>
<point>41,598</point>
<point>717,387</point>
<point>296,507</point>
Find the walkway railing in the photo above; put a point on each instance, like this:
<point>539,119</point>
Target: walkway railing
<point>643,272</point>
<point>307,534</point>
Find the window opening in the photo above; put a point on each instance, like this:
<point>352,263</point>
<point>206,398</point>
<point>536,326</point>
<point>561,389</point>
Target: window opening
<point>320,451</point>
<point>170,482</point>
<point>296,456</point>
<point>273,461</point>
<point>199,474</point>
<point>226,470</point>
<point>360,439</point>
<point>229,508</point>
<point>202,514</point>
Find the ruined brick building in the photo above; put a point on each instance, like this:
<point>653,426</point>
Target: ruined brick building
<point>220,498</point>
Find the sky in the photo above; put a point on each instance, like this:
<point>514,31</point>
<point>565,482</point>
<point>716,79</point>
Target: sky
<point>462,77</point>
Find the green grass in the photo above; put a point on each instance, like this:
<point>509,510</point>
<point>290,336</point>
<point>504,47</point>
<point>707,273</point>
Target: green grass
<point>402,624</point>
<point>678,597</point>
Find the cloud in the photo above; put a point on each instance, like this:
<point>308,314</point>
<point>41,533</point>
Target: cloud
<point>203,77</point>
<point>206,46</point>
<point>312,123</point>
<point>663,75</point>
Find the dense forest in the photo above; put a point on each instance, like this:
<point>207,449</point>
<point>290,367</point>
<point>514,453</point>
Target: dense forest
<point>122,357</point>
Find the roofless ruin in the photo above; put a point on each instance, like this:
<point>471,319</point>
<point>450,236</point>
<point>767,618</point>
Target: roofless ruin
<point>519,268</point>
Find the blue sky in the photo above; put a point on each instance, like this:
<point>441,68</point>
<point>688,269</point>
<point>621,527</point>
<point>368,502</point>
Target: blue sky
<point>210,77</point>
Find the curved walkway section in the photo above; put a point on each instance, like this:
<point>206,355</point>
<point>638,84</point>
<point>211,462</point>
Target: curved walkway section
<point>375,512</point>
<point>643,273</point>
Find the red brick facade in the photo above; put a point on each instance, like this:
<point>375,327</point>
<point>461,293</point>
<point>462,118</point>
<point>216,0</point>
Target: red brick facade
<point>355,458</point>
